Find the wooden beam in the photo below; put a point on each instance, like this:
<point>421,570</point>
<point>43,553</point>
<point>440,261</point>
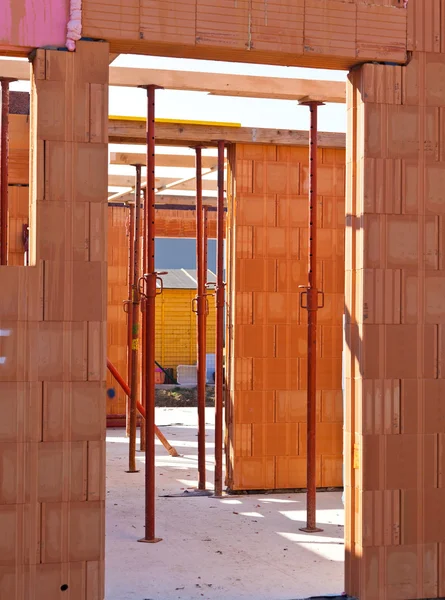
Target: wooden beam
<point>219,84</point>
<point>125,131</point>
<point>113,56</point>
<point>162,160</point>
<point>169,200</point>
<point>15,69</point>
<point>127,181</point>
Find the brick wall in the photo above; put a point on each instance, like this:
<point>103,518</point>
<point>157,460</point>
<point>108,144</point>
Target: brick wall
<point>395,299</point>
<point>52,373</point>
<point>267,348</point>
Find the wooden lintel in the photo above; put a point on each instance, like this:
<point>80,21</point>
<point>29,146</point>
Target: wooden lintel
<point>133,132</point>
<point>161,160</point>
<point>220,84</point>
<point>169,200</point>
<point>128,181</point>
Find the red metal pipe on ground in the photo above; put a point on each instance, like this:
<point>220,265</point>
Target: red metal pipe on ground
<point>201,324</point>
<point>127,308</point>
<point>312,295</point>
<point>150,292</point>
<point>4,150</point>
<point>219,358</point>
<point>135,300</point>
<point>172,451</point>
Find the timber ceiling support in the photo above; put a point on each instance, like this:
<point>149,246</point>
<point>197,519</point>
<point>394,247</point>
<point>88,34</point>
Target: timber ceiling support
<point>216,84</point>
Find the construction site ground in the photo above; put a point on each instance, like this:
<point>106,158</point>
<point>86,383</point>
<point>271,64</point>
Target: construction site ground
<point>237,547</point>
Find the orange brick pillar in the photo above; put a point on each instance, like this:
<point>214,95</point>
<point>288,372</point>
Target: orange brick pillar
<point>267,330</point>
<point>52,343</point>
<point>395,300</point>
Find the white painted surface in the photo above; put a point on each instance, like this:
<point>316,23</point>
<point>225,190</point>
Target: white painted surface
<point>235,548</point>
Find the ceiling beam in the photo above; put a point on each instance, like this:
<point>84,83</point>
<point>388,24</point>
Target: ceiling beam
<point>221,84</point>
<point>168,200</point>
<point>174,185</point>
<point>127,181</point>
<point>126,131</point>
<point>161,160</point>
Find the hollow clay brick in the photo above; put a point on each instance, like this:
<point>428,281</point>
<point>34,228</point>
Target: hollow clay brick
<point>21,409</point>
<point>254,209</point>
<point>276,178</point>
<point>329,439</point>
<point>70,292</point>
<point>20,540</point>
<point>253,473</point>
<point>291,341</point>
<point>275,373</point>
<point>291,406</point>
<point>255,341</point>
<point>73,411</point>
<point>291,472</point>
<point>256,275</point>
<point>292,211</point>
<point>290,275</point>
<point>254,407</point>
<point>331,471</point>
<point>275,307</point>
<point>270,327</point>
<point>275,439</point>
<point>18,300</point>
<point>276,242</point>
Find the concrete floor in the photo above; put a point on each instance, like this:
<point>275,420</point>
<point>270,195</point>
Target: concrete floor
<point>234,548</point>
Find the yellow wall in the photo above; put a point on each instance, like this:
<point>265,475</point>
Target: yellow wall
<point>176,328</point>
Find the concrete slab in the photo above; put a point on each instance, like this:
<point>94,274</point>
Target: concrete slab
<point>232,548</point>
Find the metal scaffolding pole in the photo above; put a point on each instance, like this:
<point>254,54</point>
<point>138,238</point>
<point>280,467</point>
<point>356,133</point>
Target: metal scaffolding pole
<point>127,308</point>
<point>312,294</point>
<point>4,156</point>
<point>150,279</point>
<point>219,358</point>
<point>205,239</point>
<point>135,301</point>
<point>200,309</point>
<point>143,319</point>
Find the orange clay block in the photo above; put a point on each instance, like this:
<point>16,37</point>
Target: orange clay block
<point>53,340</point>
<point>268,358</point>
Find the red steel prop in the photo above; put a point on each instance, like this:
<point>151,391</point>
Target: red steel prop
<point>219,358</point>
<point>135,300</point>
<point>205,237</point>
<point>312,295</point>
<point>150,279</point>
<point>127,307</point>
<point>143,318</point>
<point>172,451</point>
<point>199,304</point>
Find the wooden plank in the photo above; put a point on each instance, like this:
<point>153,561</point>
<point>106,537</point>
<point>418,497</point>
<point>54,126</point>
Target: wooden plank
<point>170,134</point>
<point>221,84</point>
<point>126,181</point>
<point>168,200</point>
<point>218,84</point>
<point>162,160</point>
